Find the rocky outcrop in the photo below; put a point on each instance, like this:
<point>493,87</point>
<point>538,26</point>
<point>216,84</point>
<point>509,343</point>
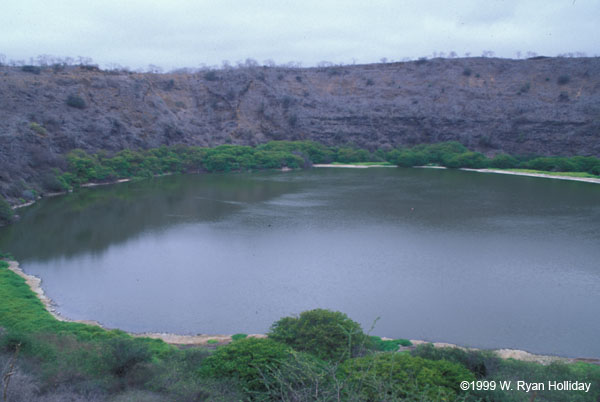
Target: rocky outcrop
<point>545,106</point>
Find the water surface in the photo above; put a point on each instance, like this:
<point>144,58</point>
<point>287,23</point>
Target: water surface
<point>482,260</point>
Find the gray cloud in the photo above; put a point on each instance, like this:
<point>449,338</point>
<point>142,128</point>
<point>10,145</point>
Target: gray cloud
<point>180,33</point>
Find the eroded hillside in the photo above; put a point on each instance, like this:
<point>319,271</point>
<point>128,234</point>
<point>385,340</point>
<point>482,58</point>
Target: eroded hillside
<point>545,106</point>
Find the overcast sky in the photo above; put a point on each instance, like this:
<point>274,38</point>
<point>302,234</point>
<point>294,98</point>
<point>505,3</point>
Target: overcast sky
<point>191,33</point>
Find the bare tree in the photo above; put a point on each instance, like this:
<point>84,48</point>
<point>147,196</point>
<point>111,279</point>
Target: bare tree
<point>154,69</point>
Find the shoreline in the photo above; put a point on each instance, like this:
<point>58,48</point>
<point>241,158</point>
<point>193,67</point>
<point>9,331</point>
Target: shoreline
<point>499,171</point>
<point>35,284</point>
<point>329,165</point>
<point>350,165</point>
<point>541,175</point>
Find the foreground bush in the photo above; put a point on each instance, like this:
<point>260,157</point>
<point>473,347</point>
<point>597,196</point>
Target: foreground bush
<point>247,361</point>
<point>478,362</point>
<point>399,376</point>
<point>329,335</point>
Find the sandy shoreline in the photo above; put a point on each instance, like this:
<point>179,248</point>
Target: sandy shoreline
<point>203,339</point>
<point>542,175</point>
<point>351,166</point>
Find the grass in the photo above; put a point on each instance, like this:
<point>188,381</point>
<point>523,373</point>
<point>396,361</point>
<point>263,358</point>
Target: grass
<point>568,174</point>
<point>22,312</point>
<point>212,341</point>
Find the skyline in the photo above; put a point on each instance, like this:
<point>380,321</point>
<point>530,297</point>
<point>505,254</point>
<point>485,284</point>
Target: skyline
<point>163,35</point>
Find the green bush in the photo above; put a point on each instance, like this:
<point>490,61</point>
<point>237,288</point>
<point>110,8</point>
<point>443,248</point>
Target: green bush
<point>473,160</point>
<point>399,376</point>
<point>504,161</point>
<point>390,345</point>
<point>246,360</point>
<point>38,128</point>
<point>302,377</point>
<point>76,102</point>
<point>478,362</point>
<point>237,337</point>
<point>121,355</point>
<point>6,212</point>
<point>329,335</point>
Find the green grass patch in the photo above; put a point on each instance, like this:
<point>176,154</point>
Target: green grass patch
<point>23,313</point>
<point>212,341</point>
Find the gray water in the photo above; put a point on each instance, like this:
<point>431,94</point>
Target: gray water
<point>481,260</point>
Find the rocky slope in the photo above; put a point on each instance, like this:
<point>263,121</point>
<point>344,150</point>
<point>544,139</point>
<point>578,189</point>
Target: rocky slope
<point>546,106</point>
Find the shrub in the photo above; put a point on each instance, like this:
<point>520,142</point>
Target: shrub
<point>563,79</point>
<point>473,160</point>
<point>478,362</point>
<point>237,337</point>
<point>302,377</point>
<point>329,335</point>
<point>390,345</point>
<point>31,69</point>
<point>6,212</point>
<point>121,355</point>
<point>504,161</point>
<point>76,102</point>
<point>246,360</point>
<point>525,88</point>
<point>38,128</point>
<point>467,72</point>
<point>211,76</point>
<point>399,376</point>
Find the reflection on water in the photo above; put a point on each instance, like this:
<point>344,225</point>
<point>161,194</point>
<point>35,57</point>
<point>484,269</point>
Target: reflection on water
<point>473,259</point>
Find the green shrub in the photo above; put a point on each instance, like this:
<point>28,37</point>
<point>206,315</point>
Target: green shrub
<point>237,337</point>
<point>399,376</point>
<point>246,360</point>
<point>121,355</point>
<point>302,377</point>
<point>390,345</point>
<point>329,335</point>
<point>473,160</point>
<point>38,128</point>
<point>478,362</point>
<point>6,212</point>
<point>76,102</point>
<point>504,161</point>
